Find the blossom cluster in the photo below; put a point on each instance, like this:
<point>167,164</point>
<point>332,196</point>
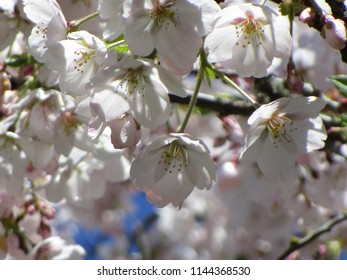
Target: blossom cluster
<point>88,117</point>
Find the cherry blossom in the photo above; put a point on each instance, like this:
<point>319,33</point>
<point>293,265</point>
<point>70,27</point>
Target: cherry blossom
<point>83,56</point>
<point>55,248</point>
<point>173,28</point>
<point>50,27</point>
<point>170,167</point>
<point>113,113</point>
<point>246,38</point>
<point>137,85</point>
<point>281,130</point>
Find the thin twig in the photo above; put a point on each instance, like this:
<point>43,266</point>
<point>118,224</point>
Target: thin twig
<point>297,244</point>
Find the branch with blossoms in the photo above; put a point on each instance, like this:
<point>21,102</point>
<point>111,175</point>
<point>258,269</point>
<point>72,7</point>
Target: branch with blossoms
<point>86,118</point>
<point>331,26</point>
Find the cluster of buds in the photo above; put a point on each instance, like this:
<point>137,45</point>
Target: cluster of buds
<point>334,29</point>
<point>46,211</point>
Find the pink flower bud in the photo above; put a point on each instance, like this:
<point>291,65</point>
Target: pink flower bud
<point>294,79</point>
<point>46,210</point>
<point>30,209</point>
<point>307,16</point>
<point>334,31</point>
<point>125,132</point>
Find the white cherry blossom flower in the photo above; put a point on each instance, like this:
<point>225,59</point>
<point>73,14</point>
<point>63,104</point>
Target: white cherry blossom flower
<point>137,85</point>
<point>246,38</point>
<point>280,131</point>
<point>55,248</point>
<point>70,131</point>
<point>170,167</point>
<point>174,28</point>
<point>50,27</point>
<point>78,59</point>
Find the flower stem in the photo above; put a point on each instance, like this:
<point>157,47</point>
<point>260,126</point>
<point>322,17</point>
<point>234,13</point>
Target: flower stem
<point>75,24</point>
<point>230,82</point>
<point>192,102</point>
<point>115,44</point>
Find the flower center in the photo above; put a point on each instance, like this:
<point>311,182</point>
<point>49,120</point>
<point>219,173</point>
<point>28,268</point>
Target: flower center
<point>279,128</point>
<point>174,157</point>
<point>132,84</point>
<point>82,57</point>
<point>162,14</point>
<point>250,29</point>
<point>69,122</point>
<point>41,28</point>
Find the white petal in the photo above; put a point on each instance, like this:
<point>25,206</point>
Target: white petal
<point>282,38</point>
<point>108,104</point>
<point>37,43</point>
<point>171,82</point>
<point>42,10</point>
<point>190,144</point>
<point>56,30</point>
<point>250,153</point>
<point>144,169</point>
<point>114,28</point>
<point>301,107</point>
<point>220,43</point>
<point>152,108</point>
<point>309,134</point>
<point>138,30</point>
<point>96,127</point>
<point>253,135</point>
<point>172,188</point>
<point>39,152</point>
<point>200,170</point>
<point>109,8</point>
<point>266,111</point>
<point>276,163</point>
<point>177,45</point>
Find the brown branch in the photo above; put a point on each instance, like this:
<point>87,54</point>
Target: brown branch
<point>297,244</point>
<point>222,106</point>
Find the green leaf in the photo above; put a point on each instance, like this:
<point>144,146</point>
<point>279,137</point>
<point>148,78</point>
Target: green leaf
<point>340,83</point>
<point>122,48</point>
<point>19,60</point>
<point>209,75</point>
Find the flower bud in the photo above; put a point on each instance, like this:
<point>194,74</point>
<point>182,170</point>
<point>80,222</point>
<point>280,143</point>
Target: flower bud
<point>30,209</point>
<point>46,210</point>
<point>307,16</point>
<point>125,132</point>
<point>334,31</point>
<point>294,79</point>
